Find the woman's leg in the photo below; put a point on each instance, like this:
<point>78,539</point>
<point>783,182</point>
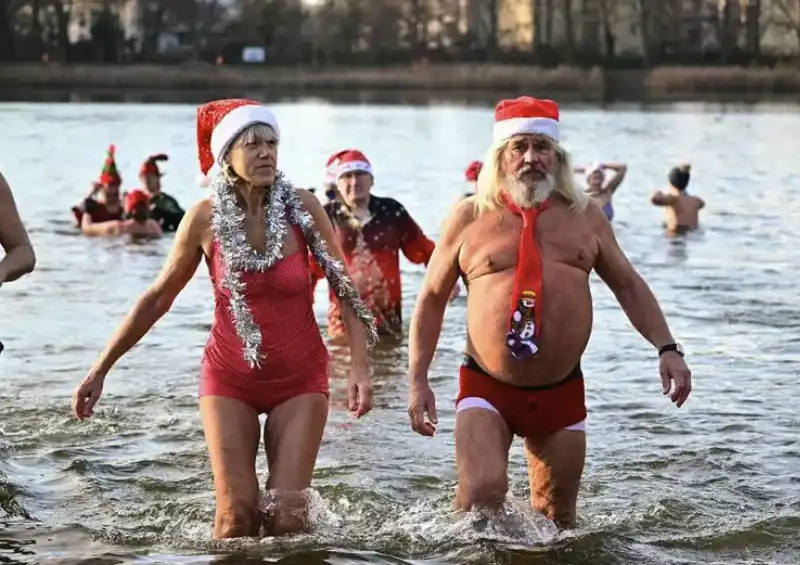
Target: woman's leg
<point>292,438</point>
<point>232,434</point>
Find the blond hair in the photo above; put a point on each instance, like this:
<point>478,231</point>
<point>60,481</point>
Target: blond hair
<point>490,181</point>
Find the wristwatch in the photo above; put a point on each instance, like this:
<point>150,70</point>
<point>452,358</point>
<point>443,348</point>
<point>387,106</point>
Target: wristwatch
<point>676,347</point>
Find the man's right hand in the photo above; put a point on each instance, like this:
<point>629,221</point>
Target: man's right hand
<point>421,401</point>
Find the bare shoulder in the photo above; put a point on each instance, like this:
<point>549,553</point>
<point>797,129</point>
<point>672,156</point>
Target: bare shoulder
<point>310,202</point>
<point>195,227</point>
<point>199,214</point>
<point>460,217</point>
<point>595,217</point>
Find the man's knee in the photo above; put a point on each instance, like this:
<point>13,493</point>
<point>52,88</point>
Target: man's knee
<point>482,492</point>
<point>236,520</point>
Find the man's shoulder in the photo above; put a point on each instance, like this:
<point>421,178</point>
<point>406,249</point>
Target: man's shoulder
<point>463,214</point>
<point>386,204</point>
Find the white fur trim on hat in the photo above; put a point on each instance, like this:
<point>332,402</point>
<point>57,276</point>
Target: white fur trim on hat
<point>235,122</point>
<point>507,129</point>
<point>350,166</point>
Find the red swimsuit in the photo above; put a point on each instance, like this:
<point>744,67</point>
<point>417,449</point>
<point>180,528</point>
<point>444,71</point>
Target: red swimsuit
<point>295,358</point>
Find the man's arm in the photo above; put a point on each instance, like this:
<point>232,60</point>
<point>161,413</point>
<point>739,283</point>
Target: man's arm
<point>630,289</point>
<point>440,278</point>
<point>700,202</point>
<point>20,258</point>
<point>415,245</point>
<point>662,199</point>
<point>90,228</point>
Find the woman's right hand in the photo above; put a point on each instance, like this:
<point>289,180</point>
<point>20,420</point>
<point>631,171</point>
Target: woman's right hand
<point>87,394</point>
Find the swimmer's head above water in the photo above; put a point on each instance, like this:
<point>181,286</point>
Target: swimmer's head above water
<point>679,177</point>
<point>526,160</point>
<point>137,206</point>
<point>150,174</point>
<point>595,176</point>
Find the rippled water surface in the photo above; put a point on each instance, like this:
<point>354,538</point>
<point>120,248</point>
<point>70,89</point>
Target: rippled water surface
<point>715,482</point>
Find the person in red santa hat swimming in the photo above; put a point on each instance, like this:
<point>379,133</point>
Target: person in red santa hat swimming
<point>530,235</point>
<point>372,232</point>
<point>137,223</point>
<point>265,353</point>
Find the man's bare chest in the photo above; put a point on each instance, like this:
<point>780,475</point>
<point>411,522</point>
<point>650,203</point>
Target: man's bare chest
<point>493,247</point>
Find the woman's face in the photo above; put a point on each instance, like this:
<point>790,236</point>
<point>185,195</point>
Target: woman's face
<point>254,155</point>
<point>596,180</point>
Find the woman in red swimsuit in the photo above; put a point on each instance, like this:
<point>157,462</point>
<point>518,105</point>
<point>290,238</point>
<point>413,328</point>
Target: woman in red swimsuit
<point>265,353</point>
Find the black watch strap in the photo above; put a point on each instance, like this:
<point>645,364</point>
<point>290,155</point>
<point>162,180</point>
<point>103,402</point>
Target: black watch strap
<point>670,347</point>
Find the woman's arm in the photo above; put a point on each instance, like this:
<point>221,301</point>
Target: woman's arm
<point>620,170</point>
<point>356,332</point>
<point>156,301</point>
<point>20,258</point>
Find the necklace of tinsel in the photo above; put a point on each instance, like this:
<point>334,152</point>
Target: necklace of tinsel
<point>283,206</point>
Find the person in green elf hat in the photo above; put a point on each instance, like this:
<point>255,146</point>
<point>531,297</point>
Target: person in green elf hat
<point>103,203</point>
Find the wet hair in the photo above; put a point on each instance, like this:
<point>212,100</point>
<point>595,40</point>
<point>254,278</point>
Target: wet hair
<point>679,177</point>
<point>490,180</point>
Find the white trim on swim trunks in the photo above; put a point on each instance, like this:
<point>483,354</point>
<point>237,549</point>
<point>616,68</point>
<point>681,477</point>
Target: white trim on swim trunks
<point>477,402</point>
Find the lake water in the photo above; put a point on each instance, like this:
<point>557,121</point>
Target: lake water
<point>716,482</point>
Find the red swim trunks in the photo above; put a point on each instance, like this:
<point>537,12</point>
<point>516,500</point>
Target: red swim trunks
<point>530,412</point>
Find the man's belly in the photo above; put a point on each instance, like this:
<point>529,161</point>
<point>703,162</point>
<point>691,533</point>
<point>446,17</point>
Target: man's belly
<point>565,326</point>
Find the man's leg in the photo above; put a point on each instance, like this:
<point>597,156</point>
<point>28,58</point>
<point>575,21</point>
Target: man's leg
<point>482,443</point>
<point>555,466</point>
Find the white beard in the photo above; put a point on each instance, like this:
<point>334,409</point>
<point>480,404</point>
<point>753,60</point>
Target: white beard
<point>529,194</point>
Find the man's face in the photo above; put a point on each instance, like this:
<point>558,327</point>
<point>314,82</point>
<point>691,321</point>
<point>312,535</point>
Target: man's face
<point>111,193</point>
<point>355,187</point>
<point>152,183</point>
<point>529,164</point>
<point>140,213</point>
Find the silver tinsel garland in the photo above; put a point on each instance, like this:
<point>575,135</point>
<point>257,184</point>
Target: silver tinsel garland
<point>239,255</point>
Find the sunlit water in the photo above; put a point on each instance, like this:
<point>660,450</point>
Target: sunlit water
<point>715,482</point>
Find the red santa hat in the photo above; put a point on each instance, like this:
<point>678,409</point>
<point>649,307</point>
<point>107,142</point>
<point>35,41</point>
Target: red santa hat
<point>472,172</point>
<point>525,115</point>
<point>150,166</point>
<point>135,198</point>
<point>330,169</point>
<point>347,161</point>
<point>220,122</point>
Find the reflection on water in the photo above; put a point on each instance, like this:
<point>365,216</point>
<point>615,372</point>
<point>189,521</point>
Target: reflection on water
<point>712,483</point>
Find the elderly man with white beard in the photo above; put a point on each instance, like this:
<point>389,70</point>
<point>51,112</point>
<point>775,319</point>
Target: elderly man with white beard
<point>530,234</point>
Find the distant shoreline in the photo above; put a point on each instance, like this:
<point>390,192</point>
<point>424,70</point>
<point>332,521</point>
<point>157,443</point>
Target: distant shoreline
<point>663,84</point>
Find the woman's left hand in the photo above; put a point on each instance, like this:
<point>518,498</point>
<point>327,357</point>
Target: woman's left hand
<point>359,391</point>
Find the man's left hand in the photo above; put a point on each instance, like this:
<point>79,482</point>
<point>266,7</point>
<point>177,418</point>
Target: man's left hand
<point>673,369</point>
